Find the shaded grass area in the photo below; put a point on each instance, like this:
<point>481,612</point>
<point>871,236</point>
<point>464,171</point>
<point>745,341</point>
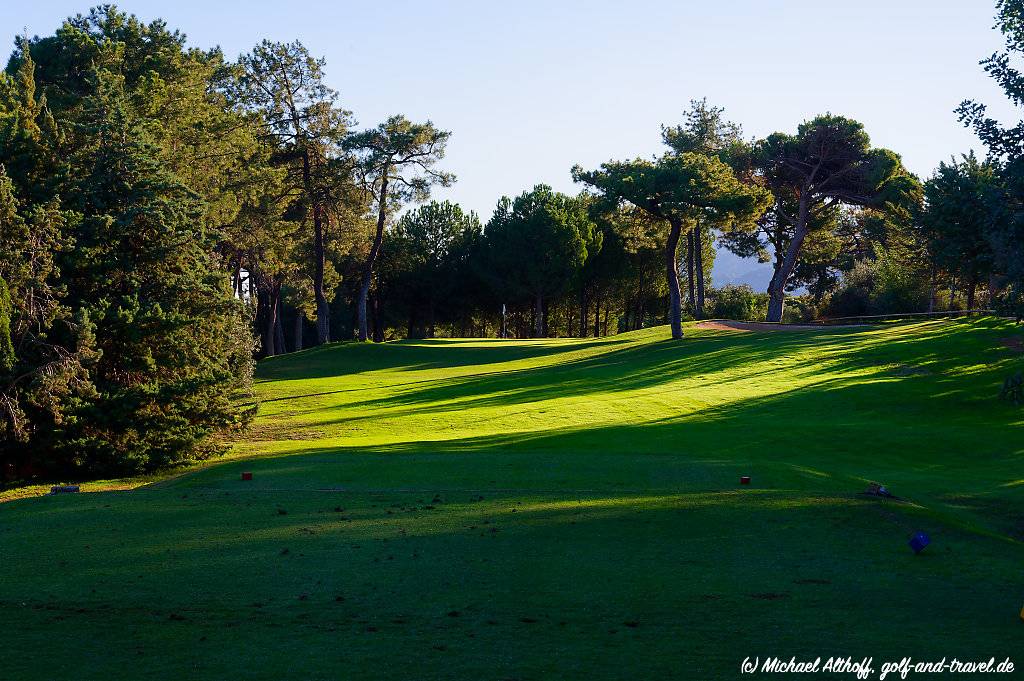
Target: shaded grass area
<point>554,509</point>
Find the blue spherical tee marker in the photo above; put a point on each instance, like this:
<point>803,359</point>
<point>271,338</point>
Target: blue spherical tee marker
<point>919,541</point>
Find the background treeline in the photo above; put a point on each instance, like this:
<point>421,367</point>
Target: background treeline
<point>168,215</point>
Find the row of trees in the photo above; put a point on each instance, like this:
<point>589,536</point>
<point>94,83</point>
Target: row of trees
<point>167,215</point>
<point>795,200</point>
<point>641,229</point>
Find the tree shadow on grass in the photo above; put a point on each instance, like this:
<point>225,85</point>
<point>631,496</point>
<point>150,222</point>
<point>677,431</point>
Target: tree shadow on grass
<point>709,362</point>
<point>558,571</point>
<point>837,433</point>
<point>344,359</point>
<point>717,358</point>
<point>915,408</point>
<point>621,369</point>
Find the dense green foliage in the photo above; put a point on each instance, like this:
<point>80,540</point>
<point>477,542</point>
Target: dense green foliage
<point>956,221</point>
<point>555,509</point>
<point>536,244</point>
<point>738,302</point>
<point>1004,226</point>
<point>129,349</point>
<point>427,270</point>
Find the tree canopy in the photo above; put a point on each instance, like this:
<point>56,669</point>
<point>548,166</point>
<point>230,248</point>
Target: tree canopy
<point>677,189</point>
<point>536,243</point>
<point>828,162</point>
<point>397,162</point>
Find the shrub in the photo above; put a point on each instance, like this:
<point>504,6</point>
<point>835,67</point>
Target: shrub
<point>882,286</point>
<point>799,310</point>
<point>853,297</point>
<point>738,302</point>
<point>897,287</point>
<point>1010,303</point>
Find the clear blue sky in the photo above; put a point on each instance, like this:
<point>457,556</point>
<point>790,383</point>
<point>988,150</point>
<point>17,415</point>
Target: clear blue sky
<point>530,88</point>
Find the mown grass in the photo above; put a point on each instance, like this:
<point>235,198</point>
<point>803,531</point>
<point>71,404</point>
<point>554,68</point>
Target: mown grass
<point>555,509</point>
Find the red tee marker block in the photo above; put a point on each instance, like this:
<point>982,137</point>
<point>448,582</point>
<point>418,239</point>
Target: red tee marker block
<point>247,476</point>
<point>745,480</point>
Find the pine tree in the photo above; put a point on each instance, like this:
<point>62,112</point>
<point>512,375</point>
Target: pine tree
<point>173,343</point>
<point>129,348</point>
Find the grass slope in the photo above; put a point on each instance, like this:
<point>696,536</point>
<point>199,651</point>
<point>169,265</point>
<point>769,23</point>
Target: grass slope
<point>476,509</point>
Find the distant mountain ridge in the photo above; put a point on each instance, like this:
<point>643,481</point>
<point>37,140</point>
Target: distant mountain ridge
<point>730,268</point>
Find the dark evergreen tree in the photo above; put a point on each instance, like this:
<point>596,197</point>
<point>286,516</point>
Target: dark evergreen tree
<point>536,244</point>
<point>174,347</point>
<point>427,260</point>
<point>955,221</point>
<point>129,348</point>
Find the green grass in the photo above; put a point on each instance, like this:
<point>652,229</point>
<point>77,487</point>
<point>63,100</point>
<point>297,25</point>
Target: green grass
<point>474,509</point>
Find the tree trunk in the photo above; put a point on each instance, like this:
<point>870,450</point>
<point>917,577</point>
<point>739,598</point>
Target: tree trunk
<point>378,322</point>
<point>584,312</point>
<point>597,318</point>
<point>698,268</point>
<point>638,320</point>
<point>931,291</point>
<point>689,270</point>
<point>776,295</point>
<point>784,268</point>
<point>267,331</point>
<point>605,331</point>
<point>672,271</point>
<point>270,321</point>
<point>538,316</point>
<point>323,308</point>
<point>364,289</point>
<point>279,327</point>
<point>972,287</point>
<point>300,319</point>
